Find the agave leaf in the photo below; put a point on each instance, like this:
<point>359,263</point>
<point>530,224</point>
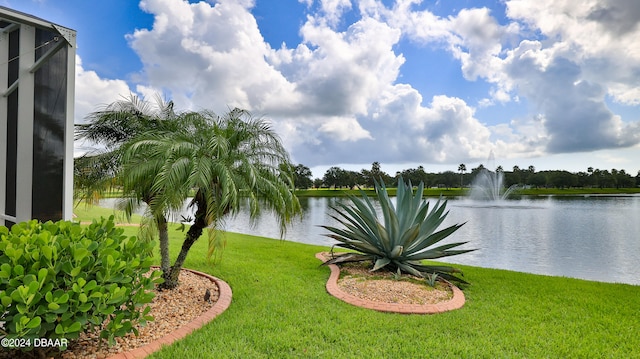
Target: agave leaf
<point>434,238</point>
<point>347,257</point>
<point>365,207</point>
<point>381,191</point>
<point>417,199</point>
<point>440,252</point>
<point>432,216</point>
<point>409,269</point>
<point>360,246</point>
<point>396,252</point>
<point>451,278</point>
<point>362,224</point>
<point>380,263</point>
<point>353,232</point>
<point>410,235</point>
<point>422,212</point>
<point>362,214</point>
<point>359,234</point>
<point>437,268</point>
<point>434,254</point>
<point>390,220</point>
<point>365,199</point>
<point>444,272</point>
<point>399,220</point>
<point>409,205</point>
<point>436,215</point>
<point>384,239</point>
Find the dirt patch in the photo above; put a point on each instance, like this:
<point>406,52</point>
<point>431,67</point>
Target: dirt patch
<point>386,287</point>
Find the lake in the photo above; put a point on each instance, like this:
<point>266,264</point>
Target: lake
<point>588,237</point>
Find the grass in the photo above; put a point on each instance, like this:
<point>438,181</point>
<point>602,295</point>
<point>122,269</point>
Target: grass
<point>436,192</point>
<point>576,191</point>
<point>343,192</point>
<point>84,213</point>
<point>280,309</point>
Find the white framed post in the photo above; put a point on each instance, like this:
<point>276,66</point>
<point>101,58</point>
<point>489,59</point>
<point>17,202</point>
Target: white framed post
<point>30,140</point>
<point>24,169</point>
<point>4,78</point>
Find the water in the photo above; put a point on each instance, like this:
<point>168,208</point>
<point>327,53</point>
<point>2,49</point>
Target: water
<point>590,237</point>
<point>594,238</point>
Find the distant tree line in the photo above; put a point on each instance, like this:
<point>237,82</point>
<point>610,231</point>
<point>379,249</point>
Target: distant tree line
<point>336,177</point>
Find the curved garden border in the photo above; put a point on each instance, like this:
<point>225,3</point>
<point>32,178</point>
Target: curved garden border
<point>456,302</point>
<point>223,302</point>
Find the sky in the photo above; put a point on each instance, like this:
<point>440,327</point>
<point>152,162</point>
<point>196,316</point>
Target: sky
<point>553,84</point>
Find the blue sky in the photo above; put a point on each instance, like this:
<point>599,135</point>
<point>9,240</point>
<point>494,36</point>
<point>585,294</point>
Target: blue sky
<point>405,83</point>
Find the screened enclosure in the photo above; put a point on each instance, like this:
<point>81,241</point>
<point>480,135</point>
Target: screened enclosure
<point>37,80</point>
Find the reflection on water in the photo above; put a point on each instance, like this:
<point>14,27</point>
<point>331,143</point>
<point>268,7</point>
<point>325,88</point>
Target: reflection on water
<point>590,237</point>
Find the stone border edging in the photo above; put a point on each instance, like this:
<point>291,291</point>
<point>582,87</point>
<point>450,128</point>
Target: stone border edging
<point>456,302</point>
<point>223,302</point>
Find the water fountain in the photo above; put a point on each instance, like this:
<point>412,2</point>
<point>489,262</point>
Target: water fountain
<point>489,186</point>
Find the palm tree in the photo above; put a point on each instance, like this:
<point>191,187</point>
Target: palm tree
<point>462,168</point>
<point>110,128</point>
<point>221,160</point>
<point>161,157</point>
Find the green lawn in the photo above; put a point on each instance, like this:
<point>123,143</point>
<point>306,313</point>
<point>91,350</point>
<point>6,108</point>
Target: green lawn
<point>436,192</point>
<point>280,309</point>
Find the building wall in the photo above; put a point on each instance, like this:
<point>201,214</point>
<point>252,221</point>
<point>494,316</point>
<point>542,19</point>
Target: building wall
<point>37,70</point>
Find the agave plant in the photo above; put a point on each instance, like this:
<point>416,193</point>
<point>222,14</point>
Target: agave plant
<point>404,239</point>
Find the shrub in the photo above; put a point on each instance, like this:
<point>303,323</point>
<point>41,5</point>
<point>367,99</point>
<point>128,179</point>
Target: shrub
<point>58,280</point>
<point>403,240</point>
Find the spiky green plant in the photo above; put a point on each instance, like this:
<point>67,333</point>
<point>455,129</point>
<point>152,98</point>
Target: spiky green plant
<point>405,237</point>
<point>431,279</point>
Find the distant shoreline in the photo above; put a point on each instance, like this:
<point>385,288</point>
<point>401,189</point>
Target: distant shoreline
<point>454,192</point>
<point>459,192</point>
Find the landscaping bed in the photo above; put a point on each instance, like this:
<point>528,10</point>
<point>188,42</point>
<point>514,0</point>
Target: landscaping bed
<point>383,287</point>
<point>171,309</point>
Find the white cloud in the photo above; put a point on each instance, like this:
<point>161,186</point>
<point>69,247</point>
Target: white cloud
<point>422,26</point>
<point>569,56</point>
<point>92,91</point>
<point>333,95</point>
<point>568,75</point>
<point>337,95</point>
<point>599,35</point>
<point>344,129</point>
<point>210,56</point>
<point>478,44</point>
<point>333,9</point>
<point>345,71</point>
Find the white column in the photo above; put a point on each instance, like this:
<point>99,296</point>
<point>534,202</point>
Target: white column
<point>4,75</point>
<point>24,171</point>
<point>67,209</point>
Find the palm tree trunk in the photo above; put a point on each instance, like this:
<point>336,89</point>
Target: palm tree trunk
<point>195,231</point>
<point>163,232</point>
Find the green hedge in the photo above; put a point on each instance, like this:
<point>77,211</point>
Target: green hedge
<point>58,280</point>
